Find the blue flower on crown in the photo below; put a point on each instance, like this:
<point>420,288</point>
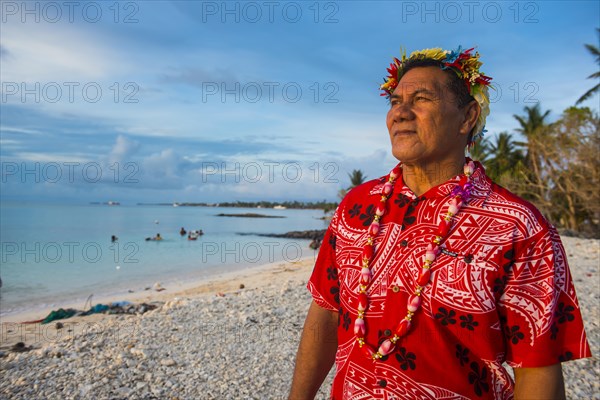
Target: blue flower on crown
<point>479,135</point>
<point>450,58</point>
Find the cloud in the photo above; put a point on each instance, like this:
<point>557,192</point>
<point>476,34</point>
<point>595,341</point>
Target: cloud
<point>52,158</point>
<point>14,129</point>
<point>123,149</point>
<point>55,53</point>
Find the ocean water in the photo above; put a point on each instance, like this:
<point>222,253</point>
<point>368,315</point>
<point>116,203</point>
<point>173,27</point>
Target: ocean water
<point>53,254</point>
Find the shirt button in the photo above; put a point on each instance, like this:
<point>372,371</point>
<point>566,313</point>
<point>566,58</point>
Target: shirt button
<point>382,383</point>
<point>395,289</point>
<point>404,243</point>
<point>387,332</point>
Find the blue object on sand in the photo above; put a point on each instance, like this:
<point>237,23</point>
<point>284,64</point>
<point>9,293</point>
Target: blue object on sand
<point>98,308</point>
<point>120,303</point>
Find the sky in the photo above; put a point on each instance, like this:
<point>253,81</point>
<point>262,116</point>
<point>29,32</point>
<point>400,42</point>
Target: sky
<point>214,101</point>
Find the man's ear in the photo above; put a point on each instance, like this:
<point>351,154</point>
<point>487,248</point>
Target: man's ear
<point>471,115</point>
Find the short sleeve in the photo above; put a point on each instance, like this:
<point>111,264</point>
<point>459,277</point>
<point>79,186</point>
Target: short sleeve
<point>323,283</point>
<point>539,311</point>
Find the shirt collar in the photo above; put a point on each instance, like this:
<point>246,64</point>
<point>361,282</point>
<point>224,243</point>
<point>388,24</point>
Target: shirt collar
<point>479,192</point>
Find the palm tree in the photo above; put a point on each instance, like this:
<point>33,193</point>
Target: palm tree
<point>595,51</point>
<point>533,122</point>
<point>504,156</point>
<point>480,150</point>
<point>533,128</point>
<point>356,178</point>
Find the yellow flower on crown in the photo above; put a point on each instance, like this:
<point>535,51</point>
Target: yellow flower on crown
<point>435,54</point>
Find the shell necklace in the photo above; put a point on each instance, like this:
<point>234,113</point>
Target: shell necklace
<point>460,195</point>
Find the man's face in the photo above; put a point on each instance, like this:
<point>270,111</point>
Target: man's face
<point>426,125</point>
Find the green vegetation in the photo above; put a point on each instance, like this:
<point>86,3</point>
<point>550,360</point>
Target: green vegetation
<point>595,51</point>
<point>303,205</point>
<point>556,166</point>
<point>356,178</point>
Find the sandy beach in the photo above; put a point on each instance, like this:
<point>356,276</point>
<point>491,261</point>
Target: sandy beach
<point>215,340</point>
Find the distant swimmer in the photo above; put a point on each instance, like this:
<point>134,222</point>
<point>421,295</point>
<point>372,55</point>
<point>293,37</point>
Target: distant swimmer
<point>193,235</point>
<point>182,232</point>
<point>113,238</point>
<point>155,238</point>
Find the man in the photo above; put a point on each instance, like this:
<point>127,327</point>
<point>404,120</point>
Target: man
<point>432,277</point>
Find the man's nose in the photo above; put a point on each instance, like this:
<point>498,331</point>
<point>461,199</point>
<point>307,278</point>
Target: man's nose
<point>402,112</point>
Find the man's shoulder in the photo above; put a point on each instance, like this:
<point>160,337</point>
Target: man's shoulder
<point>369,188</point>
<point>512,206</point>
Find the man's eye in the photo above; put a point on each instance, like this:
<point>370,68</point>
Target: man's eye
<point>421,98</point>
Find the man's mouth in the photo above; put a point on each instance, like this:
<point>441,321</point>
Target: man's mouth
<point>404,132</point>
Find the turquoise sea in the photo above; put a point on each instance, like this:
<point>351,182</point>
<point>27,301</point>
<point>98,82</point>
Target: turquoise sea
<point>54,254</point>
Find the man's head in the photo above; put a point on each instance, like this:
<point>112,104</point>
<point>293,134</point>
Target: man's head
<point>428,123</point>
<point>465,81</point>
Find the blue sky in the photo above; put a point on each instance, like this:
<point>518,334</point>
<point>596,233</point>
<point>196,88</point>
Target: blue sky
<point>163,101</point>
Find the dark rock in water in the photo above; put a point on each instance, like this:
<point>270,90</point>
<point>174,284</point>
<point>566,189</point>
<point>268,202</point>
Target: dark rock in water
<point>316,234</point>
<point>250,215</point>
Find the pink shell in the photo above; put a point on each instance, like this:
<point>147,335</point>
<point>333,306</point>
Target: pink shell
<point>386,347</point>
<point>456,201</point>
<point>380,210</point>
<point>387,189</point>
<point>452,209</point>
<point>359,327</point>
<point>433,248</point>
<point>469,168</point>
<point>365,274</point>
<point>414,302</point>
<point>430,256</point>
<point>374,228</point>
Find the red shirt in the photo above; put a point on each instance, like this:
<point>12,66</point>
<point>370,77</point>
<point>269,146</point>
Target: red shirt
<point>500,291</point>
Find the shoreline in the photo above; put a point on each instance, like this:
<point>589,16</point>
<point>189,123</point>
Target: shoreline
<point>140,288</point>
<point>175,289</point>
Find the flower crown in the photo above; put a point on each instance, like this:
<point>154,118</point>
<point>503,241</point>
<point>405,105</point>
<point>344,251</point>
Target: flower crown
<point>466,66</point>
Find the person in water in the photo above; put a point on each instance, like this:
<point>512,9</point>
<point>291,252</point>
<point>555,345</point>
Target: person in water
<point>182,232</point>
